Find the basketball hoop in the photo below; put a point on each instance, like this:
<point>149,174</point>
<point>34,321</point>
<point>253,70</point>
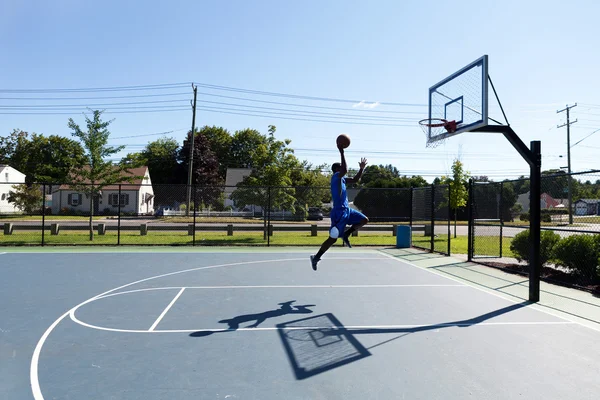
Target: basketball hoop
<point>436,129</point>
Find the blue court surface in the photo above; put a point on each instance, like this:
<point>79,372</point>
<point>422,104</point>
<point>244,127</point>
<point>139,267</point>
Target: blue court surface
<point>252,324</point>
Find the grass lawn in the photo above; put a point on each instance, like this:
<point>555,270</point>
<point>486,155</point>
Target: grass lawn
<point>182,238</point>
<point>458,245</point>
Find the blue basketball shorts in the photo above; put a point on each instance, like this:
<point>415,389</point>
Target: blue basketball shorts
<point>342,217</point>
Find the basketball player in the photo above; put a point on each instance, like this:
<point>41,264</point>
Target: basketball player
<point>341,214</point>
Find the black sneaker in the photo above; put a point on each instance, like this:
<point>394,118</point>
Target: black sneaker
<point>314,262</point>
<point>346,241</point>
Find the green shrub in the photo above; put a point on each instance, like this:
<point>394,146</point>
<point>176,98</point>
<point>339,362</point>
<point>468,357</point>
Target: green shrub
<point>524,217</point>
<point>520,246</point>
<point>580,253</point>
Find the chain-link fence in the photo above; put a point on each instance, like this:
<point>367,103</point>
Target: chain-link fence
<point>441,219</point>
<point>570,227</point>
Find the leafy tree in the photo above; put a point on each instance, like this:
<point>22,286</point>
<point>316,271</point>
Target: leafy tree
<point>161,158</point>
<point>458,185</point>
<point>219,140</point>
<point>96,173</point>
<point>47,159</point>
<point>273,163</point>
<point>249,148</point>
<point>388,199</point>
<point>375,172</point>
<point>205,169</point>
<point>27,198</point>
<point>9,144</point>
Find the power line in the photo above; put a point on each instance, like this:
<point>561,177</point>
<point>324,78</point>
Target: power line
<point>264,115</point>
<point>148,134</point>
<point>100,89</point>
<point>96,97</point>
<point>295,96</point>
<point>60,106</point>
<point>305,105</point>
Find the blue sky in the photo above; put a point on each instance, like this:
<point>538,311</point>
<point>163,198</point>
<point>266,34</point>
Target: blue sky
<point>542,57</point>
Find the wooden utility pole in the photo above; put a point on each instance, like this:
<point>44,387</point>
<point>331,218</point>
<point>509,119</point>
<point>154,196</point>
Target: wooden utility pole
<point>570,191</point>
<point>191,157</point>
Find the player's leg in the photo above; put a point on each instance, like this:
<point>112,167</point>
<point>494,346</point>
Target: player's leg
<point>357,220</point>
<point>324,247</point>
<point>338,223</point>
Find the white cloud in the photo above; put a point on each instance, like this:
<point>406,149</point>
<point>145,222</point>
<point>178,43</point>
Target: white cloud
<point>362,104</point>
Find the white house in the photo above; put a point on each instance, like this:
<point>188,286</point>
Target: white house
<point>587,207</point>
<point>136,197</point>
<point>233,177</point>
<point>9,177</point>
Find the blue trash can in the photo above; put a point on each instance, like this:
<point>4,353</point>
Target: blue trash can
<point>403,237</point>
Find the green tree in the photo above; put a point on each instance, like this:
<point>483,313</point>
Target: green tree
<point>8,145</point>
<point>249,148</point>
<point>97,172</point>
<point>205,169</point>
<point>47,159</point>
<point>375,172</point>
<point>27,198</point>
<point>457,184</point>
<point>161,158</point>
<point>273,162</point>
<point>219,140</point>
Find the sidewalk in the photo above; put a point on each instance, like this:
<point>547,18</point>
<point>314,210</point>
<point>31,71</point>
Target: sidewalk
<point>571,304</point>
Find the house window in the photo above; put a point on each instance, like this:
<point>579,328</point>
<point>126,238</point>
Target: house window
<point>74,199</point>
<point>113,199</point>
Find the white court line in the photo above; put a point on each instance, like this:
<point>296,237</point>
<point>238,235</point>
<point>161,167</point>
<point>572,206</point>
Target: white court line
<point>493,293</point>
<point>279,287</point>
<point>161,316</point>
<point>347,328</point>
<point>35,359</point>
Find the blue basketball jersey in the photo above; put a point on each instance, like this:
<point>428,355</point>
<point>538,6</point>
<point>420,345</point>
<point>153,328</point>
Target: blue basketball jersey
<point>338,191</point>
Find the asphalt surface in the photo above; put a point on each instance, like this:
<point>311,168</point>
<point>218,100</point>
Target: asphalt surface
<point>258,325</point>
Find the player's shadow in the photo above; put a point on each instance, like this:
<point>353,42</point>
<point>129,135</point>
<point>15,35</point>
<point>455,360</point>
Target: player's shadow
<point>321,343</point>
<point>234,323</point>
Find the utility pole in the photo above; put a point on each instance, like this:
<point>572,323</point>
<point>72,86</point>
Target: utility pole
<point>191,157</point>
<point>568,125</point>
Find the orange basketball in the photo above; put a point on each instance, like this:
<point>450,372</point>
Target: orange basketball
<point>343,141</point>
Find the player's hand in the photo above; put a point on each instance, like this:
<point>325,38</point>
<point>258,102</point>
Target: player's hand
<point>362,163</point>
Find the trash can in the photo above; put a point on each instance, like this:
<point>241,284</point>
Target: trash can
<point>403,237</point>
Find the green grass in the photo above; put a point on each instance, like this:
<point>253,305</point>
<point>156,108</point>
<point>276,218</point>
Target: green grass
<point>182,238</point>
<point>458,245</point>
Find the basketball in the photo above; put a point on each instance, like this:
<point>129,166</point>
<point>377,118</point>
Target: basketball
<point>343,141</point>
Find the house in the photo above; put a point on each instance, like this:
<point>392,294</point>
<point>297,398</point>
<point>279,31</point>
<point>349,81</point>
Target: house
<point>587,207</point>
<point>233,177</point>
<point>9,177</point>
<point>546,201</point>
<point>136,197</point>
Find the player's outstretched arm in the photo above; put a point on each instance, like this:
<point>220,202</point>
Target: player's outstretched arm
<point>344,169</point>
<point>356,178</point>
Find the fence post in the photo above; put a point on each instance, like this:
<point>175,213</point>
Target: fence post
<point>269,232</point>
<point>449,217</point>
<point>410,221</point>
<point>119,218</point>
<point>470,201</point>
<point>501,216</point>
<point>535,265</point>
<point>432,217</point>
<point>194,218</point>
<point>43,211</point>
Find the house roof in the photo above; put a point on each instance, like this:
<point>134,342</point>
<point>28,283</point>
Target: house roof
<point>589,201</point>
<point>133,185</point>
